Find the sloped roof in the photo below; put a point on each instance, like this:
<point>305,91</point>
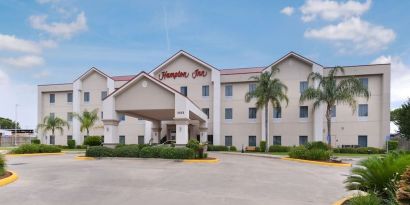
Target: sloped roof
<point>233,71</point>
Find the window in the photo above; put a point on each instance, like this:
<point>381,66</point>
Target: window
<point>303,85</point>
<point>228,113</point>
<point>228,90</point>
<point>252,87</point>
<point>303,140</point>
<point>228,140</point>
<point>362,140</point>
<point>205,90</point>
<point>102,115</point>
<point>52,139</point>
<point>363,110</point>
<point>277,112</point>
<point>69,97</point>
<point>52,115</point>
<point>103,95</point>
<point>52,98</point>
<point>184,90</point>
<point>69,137</point>
<point>365,82</point>
<point>141,139</point>
<point>333,111</point>
<point>69,116</point>
<point>86,96</point>
<point>303,112</point>
<point>252,113</point>
<point>277,140</point>
<point>252,141</point>
<point>122,139</point>
<point>210,139</point>
<point>121,117</point>
<point>206,111</point>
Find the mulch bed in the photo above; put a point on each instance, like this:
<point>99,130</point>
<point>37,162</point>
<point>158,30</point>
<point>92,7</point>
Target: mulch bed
<point>7,174</point>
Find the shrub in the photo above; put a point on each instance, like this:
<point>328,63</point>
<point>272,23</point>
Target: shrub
<point>176,153</point>
<point>99,151</point>
<point>2,165</point>
<point>392,145</point>
<point>257,149</point>
<point>262,146</point>
<point>151,151</point>
<point>378,175</point>
<point>48,148</point>
<point>93,141</point>
<point>127,151</point>
<point>298,152</point>
<point>218,148</point>
<point>71,144</point>
<point>310,154</point>
<point>35,148</point>
<point>317,145</point>
<point>403,188</point>
<point>35,141</point>
<point>81,147</point>
<point>279,148</point>
<point>370,199</point>
<point>193,144</point>
<point>232,149</point>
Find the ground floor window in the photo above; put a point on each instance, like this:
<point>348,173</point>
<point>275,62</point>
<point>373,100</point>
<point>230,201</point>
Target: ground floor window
<point>210,139</point>
<point>277,140</point>
<point>228,140</point>
<point>303,140</point>
<point>252,141</point>
<point>52,140</point>
<point>362,141</point>
<point>69,137</point>
<point>122,139</point>
<point>141,139</point>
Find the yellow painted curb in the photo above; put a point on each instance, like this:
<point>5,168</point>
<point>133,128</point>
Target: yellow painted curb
<point>34,154</point>
<point>8,180</point>
<point>84,158</point>
<point>210,161</point>
<point>318,163</point>
<point>343,200</point>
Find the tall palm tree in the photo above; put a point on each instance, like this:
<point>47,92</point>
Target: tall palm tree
<point>331,92</point>
<point>268,90</point>
<point>52,124</point>
<point>87,120</point>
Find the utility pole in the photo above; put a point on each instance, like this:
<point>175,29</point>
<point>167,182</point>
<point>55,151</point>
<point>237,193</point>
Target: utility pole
<point>15,126</point>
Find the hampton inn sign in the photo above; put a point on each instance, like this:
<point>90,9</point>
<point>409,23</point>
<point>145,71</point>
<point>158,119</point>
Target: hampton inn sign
<point>182,74</point>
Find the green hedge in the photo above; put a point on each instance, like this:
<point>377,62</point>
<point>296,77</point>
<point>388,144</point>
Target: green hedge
<point>262,145</point>
<point>317,145</point>
<point>151,152</point>
<point>35,141</point>
<point>99,151</point>
<point>2,165</point>
<point>218,148</point>
<point>146,152</point>
<point>310,154</point>
<point>93,141</point>
<point>393,144</point>
<point>35,148</point>
<point>127,151</point>
<point>232,149</point>
<point>71,144</point>
<point>176,153</point>
<point>279,148</point>
<point>360,150</point>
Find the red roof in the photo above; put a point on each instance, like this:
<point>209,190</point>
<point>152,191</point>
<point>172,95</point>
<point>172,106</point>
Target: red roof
<point>232,71</point>
<point>123,77</point>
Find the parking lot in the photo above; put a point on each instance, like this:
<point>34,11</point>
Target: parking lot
<point>234,180</point>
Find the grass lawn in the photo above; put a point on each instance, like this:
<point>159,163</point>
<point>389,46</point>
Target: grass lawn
<point>7,148</point>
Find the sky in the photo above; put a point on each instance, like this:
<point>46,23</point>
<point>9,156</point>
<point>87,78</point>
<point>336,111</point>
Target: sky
<point>55,41</point>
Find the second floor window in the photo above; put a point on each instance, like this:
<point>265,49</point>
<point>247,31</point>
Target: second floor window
<point>206,111</point>
<point>252,113</point>
<point>303,86</point>
<point>86,96</point>
<point>303,112</point>
<point>277,112</point>
<point>252,87</point>
<point>103,95</point>
<point>70,97</point>
<point>365,82</point>
<point>228,113</point>
<point>70,117</point>
<point>52,98</point>
<point>184,90</point>
<point>333,111</point>
<point>228,90</point>
<point>205,90</point>
<point>363,110</point>
<point>52,115</point>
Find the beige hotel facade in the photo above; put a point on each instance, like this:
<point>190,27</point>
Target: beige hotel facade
<point>185,97</point>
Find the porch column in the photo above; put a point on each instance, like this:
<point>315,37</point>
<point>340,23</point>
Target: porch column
<point>182,132</point>
<point>203,132</point>
<point>155,133</point>
<point>111,131</point>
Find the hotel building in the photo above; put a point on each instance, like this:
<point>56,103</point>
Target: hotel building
<point>185,97</point>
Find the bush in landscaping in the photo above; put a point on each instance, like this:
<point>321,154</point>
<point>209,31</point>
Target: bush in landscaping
<point>317,145</point>
<point>43,148</point>
<point>151,151</point>
<point>35,141</point>
<point>176,153</point>
<point>378,175</point>
<point>279,148</point>
<point>93,141</point>
<point>360,150</point>
<point>232,149</point>
<point>370,199</point>
<point>35,148</point>
<point>81,147</point>
<point>262,146</point>
<point>127,151</point>
<point>392,145</point>
<point>403,188</point>
<point>310,154</point>
<point>218,148</point>
<point>71,144</point>
<point>2,165</point>
<point>99,151</point>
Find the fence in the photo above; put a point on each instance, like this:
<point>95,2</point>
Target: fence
<point>14,141</point>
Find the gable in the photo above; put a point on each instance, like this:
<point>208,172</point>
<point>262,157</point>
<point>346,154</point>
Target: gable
<point>94,80</point>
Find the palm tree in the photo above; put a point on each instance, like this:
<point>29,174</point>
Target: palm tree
<point>87,119</point>
<point>268,89</point>
<point>52,124</point>
<point>331,92</point>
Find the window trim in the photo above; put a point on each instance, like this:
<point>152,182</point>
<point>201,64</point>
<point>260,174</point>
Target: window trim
<point>367,111</point>
<point>54,98</point>
<point>231,140</point>
<point>206,93</point>
<point>303,83</point>
<point>280,140</point>
<point>249,113</point>
<point>89,97</point>
<point>186,90</point>
<point>231,86</point>
<point>300,112</point>
<point>69,102</point>
<point>228,119</point>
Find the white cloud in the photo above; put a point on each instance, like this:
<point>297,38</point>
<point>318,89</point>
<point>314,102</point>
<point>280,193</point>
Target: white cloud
<point>23,61</point>
<point>58,29</point>
<point>42,74</point>
<point>11,43</point>
<point>400,78</point>
<point>333,10</point>
<point>287,10</point>
<point>355,34</point>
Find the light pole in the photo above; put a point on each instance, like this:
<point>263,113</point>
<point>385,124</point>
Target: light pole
<point>15,125</point>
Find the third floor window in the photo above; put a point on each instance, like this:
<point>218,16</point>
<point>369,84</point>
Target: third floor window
<point>228,90</point>
<point>52,98</point>
<point>70,97</point>
<point>205,90</point>
<point>86,96</point>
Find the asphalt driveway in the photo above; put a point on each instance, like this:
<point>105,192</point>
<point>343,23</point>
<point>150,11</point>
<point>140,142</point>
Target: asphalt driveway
<point>235,180</point>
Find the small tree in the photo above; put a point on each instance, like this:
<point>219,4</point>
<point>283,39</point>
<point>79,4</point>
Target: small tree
<point>87,120</point>
<point>401,118</point>
<point>52,124</point>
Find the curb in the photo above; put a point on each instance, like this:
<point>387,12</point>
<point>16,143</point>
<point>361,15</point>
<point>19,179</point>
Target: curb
<point>84,158</point>
<point>8,180</point>
<point>318,163</point>
<point>342,200</point>
<point>34,154</point>
<point>249,154</point>
<point>209,161</point>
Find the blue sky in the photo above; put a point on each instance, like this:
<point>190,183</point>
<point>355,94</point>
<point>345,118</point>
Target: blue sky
<point>54,41</point>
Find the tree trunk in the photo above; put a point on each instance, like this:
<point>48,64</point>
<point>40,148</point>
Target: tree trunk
<point>329,123</point>
<point>266,128</point>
